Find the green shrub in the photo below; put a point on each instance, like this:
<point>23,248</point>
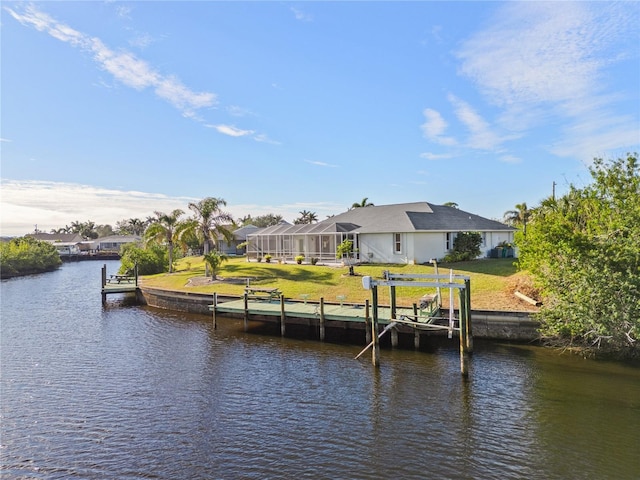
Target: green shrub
<point>299,259</point>
<point>466,246</point>
<point>25,255</point>
<point>150,260</point>
<point>267,258</point>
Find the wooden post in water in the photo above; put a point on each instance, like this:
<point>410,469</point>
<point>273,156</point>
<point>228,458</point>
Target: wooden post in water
<point>135,273</point>
<point>283,316</point>
<point>367,321</point>
<point>213,308</point>
<point>322,333</point>
<point>104,282</point>
<point>416,332</point>
<point>394,337</point>
<point>392,302</point>
<point>375,351</point>
<point>467,297</point>
<point>462,323</point>
<point>394,330</point>
<point>246,312</point>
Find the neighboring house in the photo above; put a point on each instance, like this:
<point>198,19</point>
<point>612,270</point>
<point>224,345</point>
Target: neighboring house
<point>113,243</point>
<point>239,238</point>
<point>65,243</point>
<point>402,233</point>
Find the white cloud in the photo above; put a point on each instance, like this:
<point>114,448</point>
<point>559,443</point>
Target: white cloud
<point>435,156</point>
<point>509,159</point>
<point>547,62</point>
<point>124,66</point>
<point>434,128</point>
<point>231,130</point>
<point>237,111</point>
<point>263,138</point>
<point>481,135</point>
<point>301,16</point>
<point>52,205</point>
<point>26,203</point>
<point>320,164</point>
<point>534,52</point>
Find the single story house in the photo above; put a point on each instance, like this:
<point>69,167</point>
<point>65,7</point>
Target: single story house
<point>113,243</point>
<point>236,245</point>
<point>65,243</point>
<point>401,233</point>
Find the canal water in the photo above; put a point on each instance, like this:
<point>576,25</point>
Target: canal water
<point>127,392</point>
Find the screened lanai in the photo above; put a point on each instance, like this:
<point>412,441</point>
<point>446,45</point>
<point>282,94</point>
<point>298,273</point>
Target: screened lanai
<point>286,241</point>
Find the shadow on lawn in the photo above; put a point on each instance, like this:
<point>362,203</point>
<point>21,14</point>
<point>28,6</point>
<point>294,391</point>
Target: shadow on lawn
<point>284,272</point>
<point>500,267</point>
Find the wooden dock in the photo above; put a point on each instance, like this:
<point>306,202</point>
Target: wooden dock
<point>116,283</point>
<point>342,316</point>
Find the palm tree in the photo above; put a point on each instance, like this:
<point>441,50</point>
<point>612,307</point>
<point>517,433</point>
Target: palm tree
<point>364,203</point>
<point>450,204</point>
<point>518,217</point>
<point>164,229</point>
<point>306,217</point>
<point>136,226</point>
<point>209,223</point>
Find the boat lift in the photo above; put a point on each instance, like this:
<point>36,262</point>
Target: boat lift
<point>451,281</point>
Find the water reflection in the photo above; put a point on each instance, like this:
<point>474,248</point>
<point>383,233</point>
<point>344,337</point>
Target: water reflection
<point>130,392</point>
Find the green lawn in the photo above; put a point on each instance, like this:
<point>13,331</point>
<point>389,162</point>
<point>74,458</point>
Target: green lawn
<point>490,279</point>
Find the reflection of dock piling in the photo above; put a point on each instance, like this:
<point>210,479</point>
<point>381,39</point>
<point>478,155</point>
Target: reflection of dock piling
<point>118,283</point>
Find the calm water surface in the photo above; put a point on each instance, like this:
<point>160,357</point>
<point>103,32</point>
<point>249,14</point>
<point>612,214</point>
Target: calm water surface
<point>128,392</point>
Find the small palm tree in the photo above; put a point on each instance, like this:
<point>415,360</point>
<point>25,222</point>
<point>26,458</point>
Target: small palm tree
<point>306,217</point>
<point>364,203</point>
<point>164,229</point>
<point>518,217</point>
<point>213,260</point>
<point>209,223</point>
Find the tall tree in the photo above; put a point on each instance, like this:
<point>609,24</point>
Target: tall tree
<point>518,217</point>
<point>131,226</point>
<point>261,221</point>
<point>85,229</point>
<point>210,223</point>
<point>363,203</point>
<point>104,230</point>
<point>450,204</point>
<point>306,217</point>
<point>584,253</point>
<point>164,229</point>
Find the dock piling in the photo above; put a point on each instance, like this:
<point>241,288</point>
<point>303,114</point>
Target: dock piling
<point>283,316</point>
<point>322,332</point>
<point>375,352</point>
<point>246,311</point>
<point>213,309</point>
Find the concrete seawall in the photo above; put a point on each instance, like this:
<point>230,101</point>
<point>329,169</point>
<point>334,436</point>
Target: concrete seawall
<point>494,325</point>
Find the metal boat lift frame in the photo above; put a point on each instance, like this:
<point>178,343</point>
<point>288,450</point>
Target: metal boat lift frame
<point>451,281</point>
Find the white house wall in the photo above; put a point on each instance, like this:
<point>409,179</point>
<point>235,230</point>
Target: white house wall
<point>429,246</point>
<point>418,247</point>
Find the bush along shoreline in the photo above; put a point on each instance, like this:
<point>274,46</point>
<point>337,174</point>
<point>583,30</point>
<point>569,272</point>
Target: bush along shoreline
<point>26,256</point>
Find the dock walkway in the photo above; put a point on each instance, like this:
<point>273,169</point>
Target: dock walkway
<point>292,310</point>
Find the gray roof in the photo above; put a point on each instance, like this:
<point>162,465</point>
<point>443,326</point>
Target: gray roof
<point>57,237</point>
<point>242,232</point>
<point>398,218</point>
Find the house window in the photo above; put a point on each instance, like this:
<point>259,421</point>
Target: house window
<point>451,236</point>
<point>397,243</point>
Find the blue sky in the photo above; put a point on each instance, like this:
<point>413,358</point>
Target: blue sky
<point>111,110</point>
